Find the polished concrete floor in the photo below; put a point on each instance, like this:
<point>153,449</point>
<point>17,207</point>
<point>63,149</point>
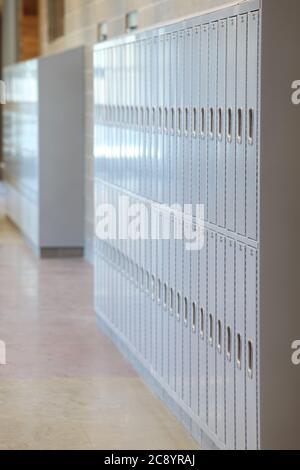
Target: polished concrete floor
<point>65,386</point>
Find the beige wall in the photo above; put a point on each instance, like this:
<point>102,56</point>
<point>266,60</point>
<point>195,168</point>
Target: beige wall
<point>82,18</point>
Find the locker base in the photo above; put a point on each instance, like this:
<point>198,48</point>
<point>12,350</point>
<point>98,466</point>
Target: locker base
<point>48,253</point>
<point>189,422</point>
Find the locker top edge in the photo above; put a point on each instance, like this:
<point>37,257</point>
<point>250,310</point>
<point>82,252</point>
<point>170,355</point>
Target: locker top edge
<point>197,19</point>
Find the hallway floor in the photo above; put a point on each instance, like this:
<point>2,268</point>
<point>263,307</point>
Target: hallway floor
<point>65,386</point>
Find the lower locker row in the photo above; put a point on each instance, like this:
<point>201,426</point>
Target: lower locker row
<point>191,317</point>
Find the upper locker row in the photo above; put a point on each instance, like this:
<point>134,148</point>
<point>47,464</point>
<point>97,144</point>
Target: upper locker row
<point>176,118</point>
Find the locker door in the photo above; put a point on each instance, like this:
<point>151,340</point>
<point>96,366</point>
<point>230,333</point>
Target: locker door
<point>252,124</point>
<point>166,116</point>
<point>241,128</point>
<point>142,118</point>
<point>155,78</point>
<point>187,320</point>
<point>221,117</point>
<point>203,331</point>
<point>231,124</point>
<point>161,312</point>
<point>220,338</point>
<point>212,119</point>
<point>195,332</point>
<point>172,309</point>
<point>252,348</point>
<point>114,108</point>
<point>160,153</point>
<point>148,175</point>
<point>195,115</point>
<point>155,316</point>
<point>156,293</point>
<point>172,117</point>
<point>179,310</point>
<point>135,116</point>
<point>204,118</point>
<point>211,330</point>
<point>179,121</point>
<point>145,297</point>
<point>148,310</point>
<point>131,117</point>
<point>229,343</point>
<point>240,359</point>
<point>187,96</point>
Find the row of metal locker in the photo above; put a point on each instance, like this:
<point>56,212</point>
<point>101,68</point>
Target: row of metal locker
<point>191,316</point>
<point>176,118</point>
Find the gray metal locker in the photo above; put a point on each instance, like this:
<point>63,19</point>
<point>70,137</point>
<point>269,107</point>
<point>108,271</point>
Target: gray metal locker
<point>185,113</point>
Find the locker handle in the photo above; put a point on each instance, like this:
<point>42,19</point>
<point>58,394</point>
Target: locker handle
<point>186,311</point>
<point>212,123</point>
<point>165,295</point>
<point>211,330</point>
<point>160,118</point>
<point>186,121</point>
<point>229,344</point>
<point>250,360</point>
<point>229,124</point>
<point>178,306</point>
<point>219,337</point>
<point>239,351</point>
<point>240,125</point>
<point>194,317</point>
<point>141,116</point>
<point>159,291</point>
<point>251,126</point>
<point>203,123</point>
<point>153,116</point>
<point>153,287</point>
<point>166,120</point>
<point>179,121</point>
<point>172,120</point>
<point>171,301</point>
<point>202,323</point>
<point>194,122</point>
<point>147,117</point>
<point>220,123</point>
